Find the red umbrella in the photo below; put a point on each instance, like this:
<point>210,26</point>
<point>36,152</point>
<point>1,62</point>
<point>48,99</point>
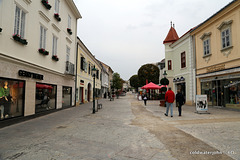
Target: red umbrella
<point>151,86</point>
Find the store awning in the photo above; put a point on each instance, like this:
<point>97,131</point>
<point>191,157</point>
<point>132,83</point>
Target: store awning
<point>43,86</point>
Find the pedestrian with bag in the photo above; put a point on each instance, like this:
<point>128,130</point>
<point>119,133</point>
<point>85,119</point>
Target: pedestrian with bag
<point>180,100</point>
<point>169,98</point>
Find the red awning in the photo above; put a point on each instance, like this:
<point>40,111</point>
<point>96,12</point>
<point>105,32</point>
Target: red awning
<point>151,86</point>
<point>43,86</point>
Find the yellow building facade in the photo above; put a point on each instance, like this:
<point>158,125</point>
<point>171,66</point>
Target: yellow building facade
<point>84,84</point>
<point>217,50</point>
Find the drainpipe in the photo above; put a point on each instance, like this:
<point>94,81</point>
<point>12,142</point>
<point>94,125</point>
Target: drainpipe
<point>194,59</point>
<point>76,75</point>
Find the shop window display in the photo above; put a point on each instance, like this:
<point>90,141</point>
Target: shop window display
<point>66,97</point>
<point>207,90</point>
<point>232,88</point>
<point>45,97</point>
<point>11,98</point>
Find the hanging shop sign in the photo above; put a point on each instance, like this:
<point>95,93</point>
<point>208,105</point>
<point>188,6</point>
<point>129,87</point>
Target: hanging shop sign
<point>216,68</point>
<point>178,79</point>
<point>27,74</point>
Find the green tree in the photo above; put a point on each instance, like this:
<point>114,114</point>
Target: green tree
<point>117,81</point>
<point>134,82</point>
<point>148,72</point>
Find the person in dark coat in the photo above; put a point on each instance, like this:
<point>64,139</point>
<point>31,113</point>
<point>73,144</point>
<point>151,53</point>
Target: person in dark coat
<point>145,100</point>
<point>180,100</point>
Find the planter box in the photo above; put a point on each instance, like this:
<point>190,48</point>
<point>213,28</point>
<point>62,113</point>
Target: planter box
<point>57,17</point>
<point>69,31</point>
<point>43,51</point>
<point>162,103</point>
<point>55,58</point>
<point>45,3</point>
<point>19,39</point>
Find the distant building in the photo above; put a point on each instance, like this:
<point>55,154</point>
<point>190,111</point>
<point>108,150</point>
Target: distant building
<point>104,80</point>
<point>84,83</point>
<point>37,55</point>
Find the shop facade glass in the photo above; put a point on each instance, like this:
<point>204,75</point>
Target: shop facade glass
<point>11,98</point>
<point>67,96</point>
<point>45,97</point>
<point>224,93</point>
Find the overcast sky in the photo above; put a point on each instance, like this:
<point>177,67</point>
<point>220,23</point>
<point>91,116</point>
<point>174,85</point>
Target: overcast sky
<point>126,34</point>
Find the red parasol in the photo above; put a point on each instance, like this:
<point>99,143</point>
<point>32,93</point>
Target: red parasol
<point>151,86</point>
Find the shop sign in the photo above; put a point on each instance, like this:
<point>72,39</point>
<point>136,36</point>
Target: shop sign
<point>232,84</point>
<point>201,103</point>
<point>27,74</point>
<point>216,68</point>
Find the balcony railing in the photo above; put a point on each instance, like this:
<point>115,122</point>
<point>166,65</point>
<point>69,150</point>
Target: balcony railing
<point>69,68</point>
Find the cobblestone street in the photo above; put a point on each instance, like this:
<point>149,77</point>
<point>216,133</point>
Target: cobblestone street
<point>124,130</point>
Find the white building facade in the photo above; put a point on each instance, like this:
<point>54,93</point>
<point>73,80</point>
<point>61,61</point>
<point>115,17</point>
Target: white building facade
<point>37,55</point>
<point>180,66</point>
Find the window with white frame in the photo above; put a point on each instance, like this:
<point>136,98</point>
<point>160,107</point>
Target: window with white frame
<point>183,60</point>
<point>169,65</point>
<point>68,54</point>
<point>226,38</point>
<point>206,47</point>
<point>43,33</point>
<point>57,2</point>
<point>69,21</point>
<point>19,25</point>
<point>54,48</point>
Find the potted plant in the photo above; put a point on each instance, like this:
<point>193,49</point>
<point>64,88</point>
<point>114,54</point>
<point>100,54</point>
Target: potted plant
<point>57,17</point>
<point>69,31</point>
<point>18,38</point>
<point>54,57</point>
<point>43,51</point>
<point>45,3</point>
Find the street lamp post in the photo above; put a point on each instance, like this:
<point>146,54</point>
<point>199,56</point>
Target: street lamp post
<point>94,71</point>
<point>164,74</point>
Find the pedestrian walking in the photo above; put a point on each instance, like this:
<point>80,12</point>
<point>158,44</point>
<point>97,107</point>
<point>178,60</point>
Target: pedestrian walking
<point>145,100</point>
<point>180,100</point>
<point>169,98</point>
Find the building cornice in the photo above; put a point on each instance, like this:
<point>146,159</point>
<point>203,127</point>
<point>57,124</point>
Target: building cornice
<point>73,8</point>
<point>218,15</point>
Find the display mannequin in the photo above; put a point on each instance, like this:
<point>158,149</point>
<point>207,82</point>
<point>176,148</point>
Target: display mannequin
<point>7,99</point>
<point>2,101</point>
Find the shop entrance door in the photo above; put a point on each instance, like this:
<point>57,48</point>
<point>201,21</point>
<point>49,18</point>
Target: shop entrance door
<point>217,91</point>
